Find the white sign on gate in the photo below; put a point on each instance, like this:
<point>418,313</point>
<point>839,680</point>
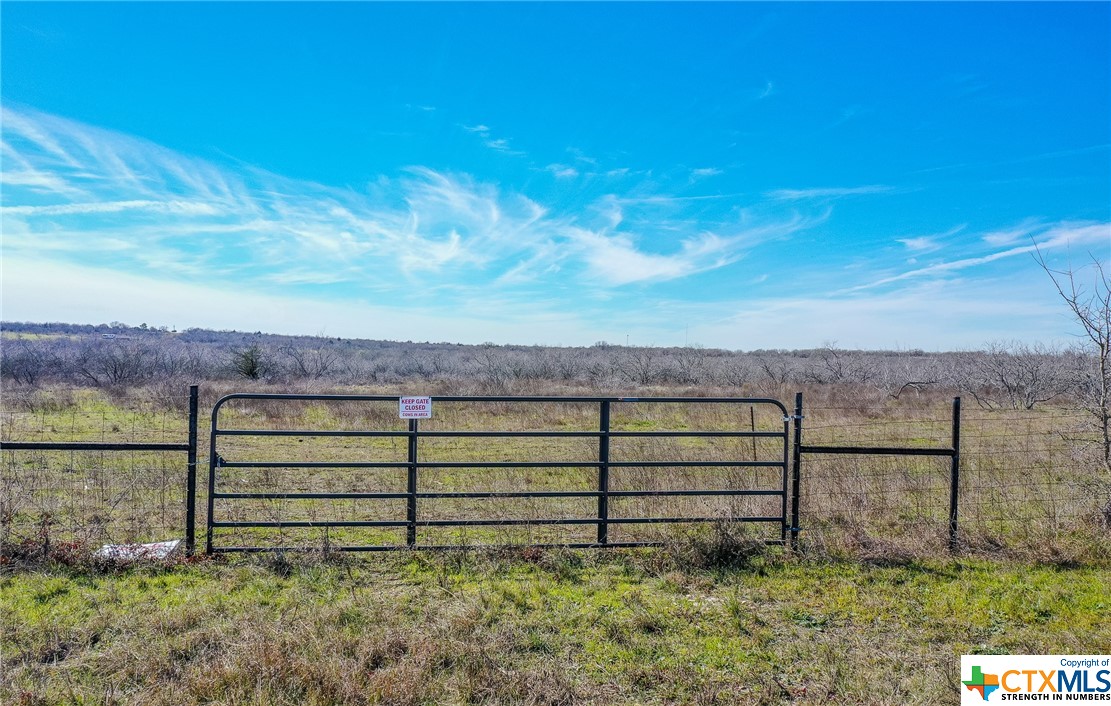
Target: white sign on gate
<point>415,407</point>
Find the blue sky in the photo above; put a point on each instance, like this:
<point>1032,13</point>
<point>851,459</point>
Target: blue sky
<point>737,175</point>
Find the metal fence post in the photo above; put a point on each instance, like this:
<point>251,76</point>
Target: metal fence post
<point>796,472</point>
<point>191,477</point>
<point>213,461</point>
<point>955,475</point>
<point>411,487</point>
<point>603,473</point>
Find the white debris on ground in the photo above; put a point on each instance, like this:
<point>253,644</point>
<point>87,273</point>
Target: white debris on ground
<point>137,552</point>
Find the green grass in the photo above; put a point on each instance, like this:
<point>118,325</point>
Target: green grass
<point>646,627</point>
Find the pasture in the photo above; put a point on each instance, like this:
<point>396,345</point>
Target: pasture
<point>872,609</point>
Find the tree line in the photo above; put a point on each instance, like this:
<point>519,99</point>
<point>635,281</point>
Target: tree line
<point>1012,374</point>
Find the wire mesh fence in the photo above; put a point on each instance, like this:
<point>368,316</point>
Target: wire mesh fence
<point>1028,481</point>
<point>83,472</point>
<point>1029,478</point>
<point>92,496</point>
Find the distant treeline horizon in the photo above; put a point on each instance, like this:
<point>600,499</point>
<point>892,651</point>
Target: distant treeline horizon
<point>202,334</point>
<point>116,356</point>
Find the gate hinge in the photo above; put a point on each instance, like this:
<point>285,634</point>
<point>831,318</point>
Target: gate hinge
<point>799,417</point>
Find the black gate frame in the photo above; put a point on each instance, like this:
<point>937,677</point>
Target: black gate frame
<point>413,464</point>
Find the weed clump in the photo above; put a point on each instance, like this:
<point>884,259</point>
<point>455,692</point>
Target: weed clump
<point>720,546</point>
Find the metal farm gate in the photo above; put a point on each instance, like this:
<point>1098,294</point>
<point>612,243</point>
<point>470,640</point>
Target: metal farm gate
<point>290,471</point>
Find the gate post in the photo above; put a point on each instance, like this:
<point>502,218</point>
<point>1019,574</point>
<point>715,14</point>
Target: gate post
<point>955,475</point>
<point>213,462</point>
<point>796,472</point>
<point>603,473</point>
<point>411,501</point>
<point>191,477</point>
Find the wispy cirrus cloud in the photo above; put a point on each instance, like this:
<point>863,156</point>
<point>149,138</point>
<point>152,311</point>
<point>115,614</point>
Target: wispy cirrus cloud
<point>119,202</point>
<point>1055,237</point>
<point>176,207</point>
<point>499,144</point>
<point>924,244</point>
<point>829,192</point>
<point>1022,231</point>
<point>613,255</point>
<point>673,199</point>
<point>582,157</point>
<point>562,171</point>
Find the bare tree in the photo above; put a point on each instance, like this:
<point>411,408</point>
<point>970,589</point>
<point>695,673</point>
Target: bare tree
<point>838,366</point>
<point>735,370</point>
<point>640,366</point>
<point>779,369</point>
<point>115,363</point>
<point>495,366</point>
<point>25,362</point>
<point>566,363</point>
<point>689,365</point>
<point>1091,308</point>
<point>1013,375</point>
<point>309,362</point>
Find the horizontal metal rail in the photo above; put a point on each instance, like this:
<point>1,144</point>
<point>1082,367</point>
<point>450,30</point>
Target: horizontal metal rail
<point>88,446</point>
<point>500,464</point>
<point>440,547</point>
<point>495,522</point>
<point>501,398</point>
<point>312,464</point>
<point>494,434</point>
<point>875,450</point>
<point>451,547</point>
<point>308,432</point>
<point>489,494</point>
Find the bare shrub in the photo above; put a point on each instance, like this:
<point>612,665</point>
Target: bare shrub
<point>1011,375</point>
<point>116,363</point>
<point>26,362</point>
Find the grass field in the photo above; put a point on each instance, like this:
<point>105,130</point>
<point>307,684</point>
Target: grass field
<point>872,611</point>
<point>555,627</point>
